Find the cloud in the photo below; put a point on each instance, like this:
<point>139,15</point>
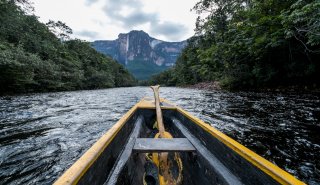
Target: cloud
<point>171,30</point>
<point>90,2</point>
<point>88,34</point>
<point>130,14</point>
<point>138,18</point>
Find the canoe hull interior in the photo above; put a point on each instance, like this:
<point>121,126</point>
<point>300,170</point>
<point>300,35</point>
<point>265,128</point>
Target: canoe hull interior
<point>196,168</point>
<point>216,158</point>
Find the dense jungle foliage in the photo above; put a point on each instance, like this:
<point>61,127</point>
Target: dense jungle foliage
<point>37,57</point>
<point>251,44</point>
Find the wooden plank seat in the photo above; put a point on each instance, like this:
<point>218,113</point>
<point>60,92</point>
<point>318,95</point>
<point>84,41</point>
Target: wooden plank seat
<point>146,145</point>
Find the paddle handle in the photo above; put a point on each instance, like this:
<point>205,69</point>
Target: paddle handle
<point>158,109</point>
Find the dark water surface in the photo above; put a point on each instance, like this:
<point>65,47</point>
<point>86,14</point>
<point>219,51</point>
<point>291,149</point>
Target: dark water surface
<point>41,135</point>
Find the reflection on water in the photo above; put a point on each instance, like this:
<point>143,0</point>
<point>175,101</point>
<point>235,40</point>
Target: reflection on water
<point>41,135</point>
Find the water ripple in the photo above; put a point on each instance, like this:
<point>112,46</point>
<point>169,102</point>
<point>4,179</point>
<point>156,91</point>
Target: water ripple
<point>41,135</point>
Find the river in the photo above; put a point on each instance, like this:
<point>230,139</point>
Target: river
<point>41,135</point>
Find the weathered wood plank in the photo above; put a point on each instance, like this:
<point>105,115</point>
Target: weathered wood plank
<point>217,165</point>
<point>145,145</point>
<point>123,158</point>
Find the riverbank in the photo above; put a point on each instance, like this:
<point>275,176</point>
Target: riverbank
<point>211,86</point>
<point>216,86</point>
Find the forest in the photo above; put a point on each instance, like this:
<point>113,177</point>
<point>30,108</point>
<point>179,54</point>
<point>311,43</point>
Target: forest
<point>37,57</point>
<point>246,44</point>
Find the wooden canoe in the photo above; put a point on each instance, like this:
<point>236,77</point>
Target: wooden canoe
<point>208,156</point>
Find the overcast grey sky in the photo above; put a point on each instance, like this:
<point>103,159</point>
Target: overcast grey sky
<point>169,20</point>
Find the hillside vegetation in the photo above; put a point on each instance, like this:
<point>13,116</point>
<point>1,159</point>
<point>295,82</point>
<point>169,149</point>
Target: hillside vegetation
<point>143,70</point>
<point>251,44</point>
<point>36,57</point>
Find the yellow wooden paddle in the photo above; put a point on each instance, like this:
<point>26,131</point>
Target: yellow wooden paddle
<point>163,161</point>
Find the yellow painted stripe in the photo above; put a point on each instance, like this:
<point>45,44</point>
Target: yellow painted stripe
<point>269,168</point>
<point>80,167</point>
<point>148,103</point>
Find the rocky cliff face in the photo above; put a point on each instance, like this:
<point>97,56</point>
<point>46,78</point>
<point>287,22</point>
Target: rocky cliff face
<point>143,55</point>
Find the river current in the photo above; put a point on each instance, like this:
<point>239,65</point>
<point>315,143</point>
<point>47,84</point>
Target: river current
<point>41,135</point>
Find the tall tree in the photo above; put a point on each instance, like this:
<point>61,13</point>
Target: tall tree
<point>60,29</point>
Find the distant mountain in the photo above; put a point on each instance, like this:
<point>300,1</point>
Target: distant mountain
<point>141,54</point>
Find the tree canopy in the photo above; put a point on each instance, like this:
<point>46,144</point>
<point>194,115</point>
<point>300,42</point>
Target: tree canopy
<point>252,44</point>
<point>37,57</point>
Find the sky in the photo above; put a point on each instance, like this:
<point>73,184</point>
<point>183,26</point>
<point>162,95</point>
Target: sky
<point>168,20</point>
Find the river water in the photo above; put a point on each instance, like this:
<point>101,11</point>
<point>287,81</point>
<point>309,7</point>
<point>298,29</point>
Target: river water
<point>41,135</point>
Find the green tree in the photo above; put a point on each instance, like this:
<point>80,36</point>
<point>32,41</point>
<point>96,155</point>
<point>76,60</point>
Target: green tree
<point>33,59</point>
<point>60,29</point>
<point>253,44</point>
